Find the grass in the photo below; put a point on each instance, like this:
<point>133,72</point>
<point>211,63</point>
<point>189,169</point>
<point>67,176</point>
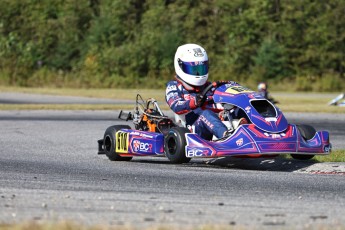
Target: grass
<point>307,102</point>
<point>95,93</point>
<point>335,156</point>
<point>288,102</point>
<point>65,107</point>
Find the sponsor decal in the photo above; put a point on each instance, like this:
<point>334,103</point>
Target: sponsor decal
<point>135,133</point>
<point>141,146</point>
<point>196,152</point>
<point>171,95</point>
<point>171,88</point>
<point>181,102</point>
<point>275,135</point>
<point>198,52</point>
<point>248,109</point>
<point>204,119</point>
<point>136,145</point>
<point>142,135</point>
<point>146,135</point>
<point>269,119</point>
<point>239,142</point>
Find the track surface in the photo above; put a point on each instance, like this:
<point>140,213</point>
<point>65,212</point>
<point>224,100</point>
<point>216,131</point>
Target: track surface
<point>49,170</point>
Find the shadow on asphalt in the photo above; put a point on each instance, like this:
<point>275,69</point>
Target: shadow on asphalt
<point>262,164</point>
<point>259,164</point>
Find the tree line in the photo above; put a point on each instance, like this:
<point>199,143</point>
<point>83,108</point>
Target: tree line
<point>115,43</point>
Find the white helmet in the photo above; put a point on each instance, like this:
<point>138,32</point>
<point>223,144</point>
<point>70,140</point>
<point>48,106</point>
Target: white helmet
<point>262,86</point>
<point>191,64</point>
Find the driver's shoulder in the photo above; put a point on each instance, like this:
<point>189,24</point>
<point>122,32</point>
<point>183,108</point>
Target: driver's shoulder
<point>172,85</point>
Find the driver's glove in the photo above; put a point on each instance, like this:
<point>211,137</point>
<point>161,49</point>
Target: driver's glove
<point>199,101</point>
<point>196,102</point>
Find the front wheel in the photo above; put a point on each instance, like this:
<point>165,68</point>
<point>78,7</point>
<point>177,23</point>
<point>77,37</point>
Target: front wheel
<point>307,132</point>
<point>109,143</point>
<point>174,145</point>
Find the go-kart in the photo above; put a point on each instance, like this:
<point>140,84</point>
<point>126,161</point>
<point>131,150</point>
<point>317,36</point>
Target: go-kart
<point>265,134</point>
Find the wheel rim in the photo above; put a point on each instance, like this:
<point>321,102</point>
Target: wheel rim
<point>107,143</point>
<point>171,146</point>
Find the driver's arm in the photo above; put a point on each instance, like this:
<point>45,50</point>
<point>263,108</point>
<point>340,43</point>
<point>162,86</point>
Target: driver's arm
<point>176,101</point>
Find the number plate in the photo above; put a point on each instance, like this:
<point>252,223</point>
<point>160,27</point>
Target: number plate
<point>122,142</point>
<point>238,89</point>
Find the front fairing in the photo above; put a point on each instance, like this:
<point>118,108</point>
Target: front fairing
<point>254,105</point>
<point>249,140</point>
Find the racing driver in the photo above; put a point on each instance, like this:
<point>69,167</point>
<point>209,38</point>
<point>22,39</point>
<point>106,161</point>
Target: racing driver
<point>182,94</point>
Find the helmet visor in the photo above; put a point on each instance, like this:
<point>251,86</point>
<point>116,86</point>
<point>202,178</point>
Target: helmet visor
<point>197,68</point>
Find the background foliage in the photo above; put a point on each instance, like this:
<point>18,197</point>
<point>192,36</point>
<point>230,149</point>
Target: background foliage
<point>114,43</point>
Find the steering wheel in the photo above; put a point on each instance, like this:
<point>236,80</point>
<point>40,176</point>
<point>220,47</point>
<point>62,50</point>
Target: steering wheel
<point>202,96</point>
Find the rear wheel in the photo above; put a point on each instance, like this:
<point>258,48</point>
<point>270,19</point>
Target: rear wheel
<point>109,143</point>
<point>307,132</point>
<point>174,145</point>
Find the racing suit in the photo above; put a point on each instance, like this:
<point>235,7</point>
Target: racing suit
<point>204,119</point>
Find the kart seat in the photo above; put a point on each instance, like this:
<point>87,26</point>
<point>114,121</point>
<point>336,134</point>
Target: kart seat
<point>164,125</point>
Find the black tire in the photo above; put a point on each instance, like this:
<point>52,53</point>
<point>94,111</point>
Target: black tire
<point>109,143</point>
<point>307,132</point>
<point>174,145</point>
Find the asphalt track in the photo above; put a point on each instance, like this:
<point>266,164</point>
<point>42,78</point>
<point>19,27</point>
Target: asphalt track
<point>50,171</point>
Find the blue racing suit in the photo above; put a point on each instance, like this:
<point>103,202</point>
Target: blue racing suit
<point>205,120</point>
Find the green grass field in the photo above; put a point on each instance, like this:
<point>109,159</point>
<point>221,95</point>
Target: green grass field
<point>334,156</point>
